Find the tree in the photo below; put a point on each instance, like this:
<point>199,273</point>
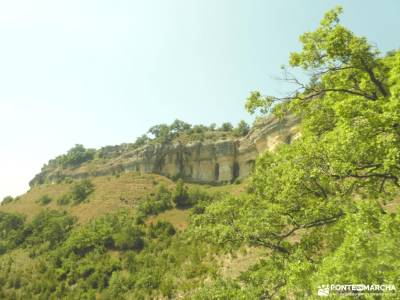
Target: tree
<point>81,190</point>
<point>226,127</point>
<point>141,140</point>
<point>74,157</point>
<point>199,129</point>
<point>242,129</point>
<point>50,227</point>
<point>11,231</point>
<point>318,205</point>
<point>181,195</point>
<point>179,126</point>
<point>161,201</point>
<point>130,237</point>
<point>160,132</point>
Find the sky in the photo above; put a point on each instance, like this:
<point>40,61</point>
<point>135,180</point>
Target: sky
<point>102,72</point>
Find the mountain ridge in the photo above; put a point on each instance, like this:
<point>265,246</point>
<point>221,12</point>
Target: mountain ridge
<point>211,161</point>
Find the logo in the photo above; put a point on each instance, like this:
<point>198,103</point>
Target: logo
<point>323,290</point>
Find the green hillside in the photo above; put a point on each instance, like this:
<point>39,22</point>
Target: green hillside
<point>315,213</point>
<point>141,222</point>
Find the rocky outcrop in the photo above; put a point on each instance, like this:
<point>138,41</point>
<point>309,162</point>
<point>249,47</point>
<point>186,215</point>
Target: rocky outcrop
<point>203,162</point>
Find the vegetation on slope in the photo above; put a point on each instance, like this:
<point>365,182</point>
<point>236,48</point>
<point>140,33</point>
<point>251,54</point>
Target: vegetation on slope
<point>315,211</point>
<point>319,204</point>
<point>119,255</point>
<point>109,194</point>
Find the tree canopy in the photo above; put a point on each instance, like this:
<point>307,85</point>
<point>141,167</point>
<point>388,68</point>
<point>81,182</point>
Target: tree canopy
<point>320,204</point>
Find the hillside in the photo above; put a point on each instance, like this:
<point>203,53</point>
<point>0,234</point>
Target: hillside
<point>299,206</point>
<point>110,194</point>
<point>115,198</point>
<point>125,174</point>
<point>112,190</point>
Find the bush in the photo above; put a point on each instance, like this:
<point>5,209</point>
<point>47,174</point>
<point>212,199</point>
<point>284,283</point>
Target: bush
<point>161,229</point>
<point>129,238</point>
<point>12,231</point>
<point>200,199</point>
<point>68,180</point>
<point>181,195</point>
<point>49,226</point>
<point>7,199</point>
<point>74,157</point>
<point>141,141</point>
<point>81,190</point>
<point>119,284</point>
<point>44,200</point>
<point>64,199</point>
<point>159,203</point>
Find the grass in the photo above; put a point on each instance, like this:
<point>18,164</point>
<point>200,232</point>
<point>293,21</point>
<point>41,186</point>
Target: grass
<point>240,261</point>
<point>111,194</point>
<point>27,203</point>
<point>233,189</point>
<point>177,217</point>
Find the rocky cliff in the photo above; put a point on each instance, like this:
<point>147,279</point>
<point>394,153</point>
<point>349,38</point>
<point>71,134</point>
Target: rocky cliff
<point>220,161</point>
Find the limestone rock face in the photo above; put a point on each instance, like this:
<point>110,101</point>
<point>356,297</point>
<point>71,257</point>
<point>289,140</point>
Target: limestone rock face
<point>203,162</point>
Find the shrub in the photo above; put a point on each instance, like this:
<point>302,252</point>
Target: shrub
<point>44,200</point>
<point>11,231</point>
<point>161,229</point>
<point>129,238</point>
<point>81,190</point>
<point>199,195</point>
<point>200,199</point>
<point>181,195</point>
<point>74,157</point>
<point>176,177</point>
<point>64,199</point>
<point>7,199</point>
<point>159,203</point>
<point>49,226</point>
<point>118,285</point>
<point>68,180</point>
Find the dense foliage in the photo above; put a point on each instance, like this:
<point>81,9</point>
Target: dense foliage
<point>115,257</point>
<point>44,232</point>
<point>11,231</point>
<point>321,204</point>
<point>181,195</point>
<point>74,157</point>
<point>161,201</point>
<point>180,130</point>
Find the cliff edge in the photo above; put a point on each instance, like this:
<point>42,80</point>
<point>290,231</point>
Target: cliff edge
<point>220,161</point>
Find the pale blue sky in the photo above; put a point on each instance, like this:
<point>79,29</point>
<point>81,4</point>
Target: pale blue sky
<point>103,72</point>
